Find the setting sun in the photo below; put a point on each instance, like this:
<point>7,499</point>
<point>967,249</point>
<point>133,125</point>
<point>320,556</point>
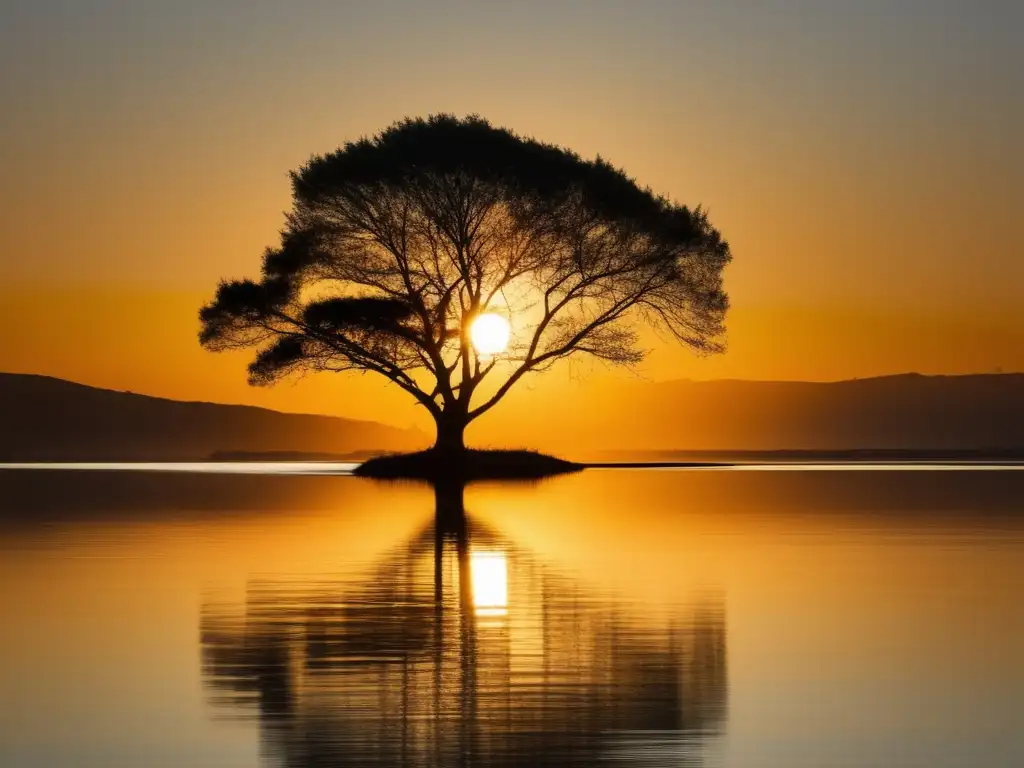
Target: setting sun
<point>490,333</point>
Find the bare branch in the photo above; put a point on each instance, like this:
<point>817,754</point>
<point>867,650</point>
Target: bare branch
<point>396,243</point>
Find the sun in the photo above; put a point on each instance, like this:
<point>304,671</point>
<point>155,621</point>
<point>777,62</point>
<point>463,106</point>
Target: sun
<point>490,333</point>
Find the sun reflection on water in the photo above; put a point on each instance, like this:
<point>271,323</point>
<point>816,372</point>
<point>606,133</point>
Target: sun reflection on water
<point>489,579</point>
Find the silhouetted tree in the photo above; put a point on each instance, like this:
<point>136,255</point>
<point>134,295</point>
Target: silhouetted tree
<point>396,244</point>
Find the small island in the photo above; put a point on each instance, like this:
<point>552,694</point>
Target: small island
<point>470,464</point>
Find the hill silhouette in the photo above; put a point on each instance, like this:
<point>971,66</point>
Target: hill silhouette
<point>906,412</point>
<point>48,419</point>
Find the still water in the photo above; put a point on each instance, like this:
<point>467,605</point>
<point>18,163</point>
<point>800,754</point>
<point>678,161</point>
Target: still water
<point>687,618</point>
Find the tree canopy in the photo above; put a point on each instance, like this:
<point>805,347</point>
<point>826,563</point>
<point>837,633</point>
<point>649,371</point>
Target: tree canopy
<point>396,243</point>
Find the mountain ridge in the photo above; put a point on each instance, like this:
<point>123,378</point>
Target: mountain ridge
<point>44,418</point>
<point>905,412</point>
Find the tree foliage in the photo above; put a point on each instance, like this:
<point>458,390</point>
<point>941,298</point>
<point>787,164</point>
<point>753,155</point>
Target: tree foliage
<point>396,242</point>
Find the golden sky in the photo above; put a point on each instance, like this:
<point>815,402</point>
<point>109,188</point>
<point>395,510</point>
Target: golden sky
<point>863,159</point>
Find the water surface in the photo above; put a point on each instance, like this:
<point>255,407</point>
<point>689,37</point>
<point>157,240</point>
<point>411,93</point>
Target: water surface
<point>799,618</point>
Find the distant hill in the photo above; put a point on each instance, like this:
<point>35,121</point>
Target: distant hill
<point>47,419</point>
<point>906,412</point>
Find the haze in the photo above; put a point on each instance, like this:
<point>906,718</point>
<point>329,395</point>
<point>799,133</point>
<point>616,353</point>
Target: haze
<point>864,161</point>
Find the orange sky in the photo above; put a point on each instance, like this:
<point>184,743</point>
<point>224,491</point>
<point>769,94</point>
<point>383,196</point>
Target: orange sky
<point>864,164</point>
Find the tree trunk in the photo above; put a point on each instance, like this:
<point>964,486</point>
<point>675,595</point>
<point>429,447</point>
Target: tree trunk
<point>451,429</point>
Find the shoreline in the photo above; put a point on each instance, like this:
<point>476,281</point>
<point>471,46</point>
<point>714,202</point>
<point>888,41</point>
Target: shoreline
<point>253,465</point>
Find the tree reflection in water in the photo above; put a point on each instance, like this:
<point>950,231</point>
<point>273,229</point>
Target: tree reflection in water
<point>460,648</point>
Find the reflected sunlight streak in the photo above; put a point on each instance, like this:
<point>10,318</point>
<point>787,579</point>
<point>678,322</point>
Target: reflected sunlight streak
<point>200,467</point>
<point>489,575</point>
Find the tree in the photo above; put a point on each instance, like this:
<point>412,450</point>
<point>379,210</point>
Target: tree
<point>397,243</point>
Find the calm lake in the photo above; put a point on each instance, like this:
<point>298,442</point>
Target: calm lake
<point>621,617</point>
